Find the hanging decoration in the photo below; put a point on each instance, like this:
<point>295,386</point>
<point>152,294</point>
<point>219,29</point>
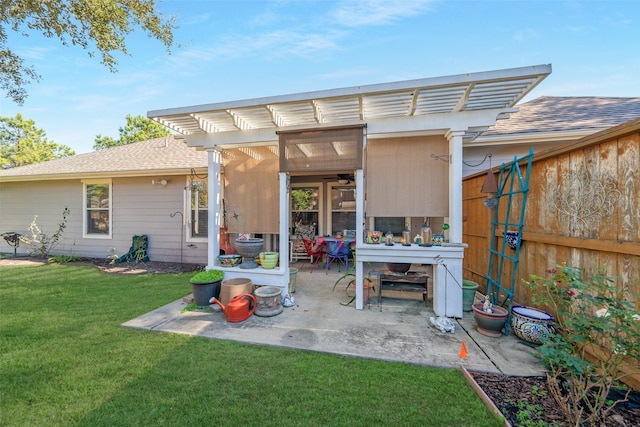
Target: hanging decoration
<point>583,199</point>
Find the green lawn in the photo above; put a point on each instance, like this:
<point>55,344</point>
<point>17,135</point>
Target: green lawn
<point>65,360</point>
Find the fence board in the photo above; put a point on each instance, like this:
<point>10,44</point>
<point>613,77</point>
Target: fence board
<point>610,241</point>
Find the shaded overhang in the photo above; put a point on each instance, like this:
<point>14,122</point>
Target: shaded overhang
<point>466,102</point>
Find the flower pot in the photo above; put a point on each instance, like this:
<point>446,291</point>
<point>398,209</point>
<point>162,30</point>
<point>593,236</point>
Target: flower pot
<point>203,292</point>
<point>490,324</point>
<point>530,324</point>
<point>234,287</point>
<point>268,301</point>
<point>249,249</point>
<point>269,260</point>
<point>468,294</point>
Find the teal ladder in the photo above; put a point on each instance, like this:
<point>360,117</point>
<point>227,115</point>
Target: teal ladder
<point>512,187</point>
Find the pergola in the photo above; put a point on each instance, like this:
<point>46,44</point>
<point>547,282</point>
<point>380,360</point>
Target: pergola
<point>460,107</point>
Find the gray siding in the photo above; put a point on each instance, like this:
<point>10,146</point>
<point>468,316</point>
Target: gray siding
<point>138,207</point>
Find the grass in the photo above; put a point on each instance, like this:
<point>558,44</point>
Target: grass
<point>66,361</point>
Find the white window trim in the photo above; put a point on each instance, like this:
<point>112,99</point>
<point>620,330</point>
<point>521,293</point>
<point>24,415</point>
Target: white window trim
<point>187,216</point>
<point>86,182</point>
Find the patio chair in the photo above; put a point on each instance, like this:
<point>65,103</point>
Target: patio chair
<point>337,250</point>
<point>314,251</point>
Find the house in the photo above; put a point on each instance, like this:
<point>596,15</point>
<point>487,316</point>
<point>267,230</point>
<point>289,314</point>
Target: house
<point>376,157</point>
<point>547,122</point>
<point>149,187</point>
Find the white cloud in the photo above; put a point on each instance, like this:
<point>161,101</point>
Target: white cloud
<point>356,13</point>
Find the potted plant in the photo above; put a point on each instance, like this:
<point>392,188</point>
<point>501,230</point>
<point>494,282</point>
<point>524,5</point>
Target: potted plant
<point>206,285</point>
<point>366,285</point>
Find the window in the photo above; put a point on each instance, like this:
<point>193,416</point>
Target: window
<point>342,214</point>
<point>198,202</point>
<point>97,209</point>
<point>305,207</point>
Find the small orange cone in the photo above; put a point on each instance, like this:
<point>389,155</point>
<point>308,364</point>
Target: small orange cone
<point>463,351</point>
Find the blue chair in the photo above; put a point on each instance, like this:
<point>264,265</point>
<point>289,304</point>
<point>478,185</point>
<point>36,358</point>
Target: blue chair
<point>337,250</point>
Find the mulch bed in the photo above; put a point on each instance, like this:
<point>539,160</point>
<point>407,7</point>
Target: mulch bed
<point>526,401</point>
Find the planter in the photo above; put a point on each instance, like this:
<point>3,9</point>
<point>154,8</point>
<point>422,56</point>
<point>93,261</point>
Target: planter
<point>293,278</point>
<point>203,292</point>
<point>234,287</point>
<point>468,294</point>
<point>268,301</point>
<point>206,285</point>
<point>530,324</point>
<point>269,260</point>
<point>249,249</point>
<point>490,324</point>
<point>398,267</point>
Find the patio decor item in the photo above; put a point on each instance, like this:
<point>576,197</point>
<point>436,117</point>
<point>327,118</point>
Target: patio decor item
<point>137,252</point>
<point>239,309</point>
<point>249,248</point>
<point>398,267</point>
<point>206,285</point>
<point>513,238</point>
<point>490,323</point>
<point>231,288</point>
<point>268,260</point>
<point>268,301</point>
<point>530,324</point>
<point>373,237</point>
<point>437,239</point>
<point>468,294</point>
<point>293,278</point>
<point>230,260</point>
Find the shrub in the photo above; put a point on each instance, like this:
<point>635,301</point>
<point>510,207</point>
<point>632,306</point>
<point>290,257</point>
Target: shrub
<point>596,343</point>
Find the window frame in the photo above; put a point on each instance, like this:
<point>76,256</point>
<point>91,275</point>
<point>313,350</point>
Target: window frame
<point>189,237</point>
<point>86,209</point>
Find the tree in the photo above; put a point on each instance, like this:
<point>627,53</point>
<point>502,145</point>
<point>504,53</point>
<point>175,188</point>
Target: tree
<point>138,128</point>
<point>95,25</point>
<point>22,143</point>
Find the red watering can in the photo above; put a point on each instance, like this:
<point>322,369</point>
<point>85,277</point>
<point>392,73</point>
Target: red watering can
<point>239,309</point>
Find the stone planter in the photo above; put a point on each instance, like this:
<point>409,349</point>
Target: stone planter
<point>249,249</point>
<point>530,324</point>
<point>268,301</point>
<point>490,324</point>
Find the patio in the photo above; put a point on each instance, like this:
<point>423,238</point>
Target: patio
<point>399,330</point>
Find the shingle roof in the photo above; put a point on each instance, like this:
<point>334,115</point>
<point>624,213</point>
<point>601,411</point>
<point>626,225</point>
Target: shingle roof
<point>145,157</point>
<point>562,114</point>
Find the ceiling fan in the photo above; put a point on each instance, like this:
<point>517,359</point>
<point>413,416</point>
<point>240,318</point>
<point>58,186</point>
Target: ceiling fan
<point>345,178</point>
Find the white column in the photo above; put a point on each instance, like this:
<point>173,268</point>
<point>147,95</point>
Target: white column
<point>284,222</point>
<point>455,186</point>
<point>213,229</point>
<point>359,177</point>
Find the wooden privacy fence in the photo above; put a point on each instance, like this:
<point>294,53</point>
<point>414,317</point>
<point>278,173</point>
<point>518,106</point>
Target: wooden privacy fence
<point>583,210</point>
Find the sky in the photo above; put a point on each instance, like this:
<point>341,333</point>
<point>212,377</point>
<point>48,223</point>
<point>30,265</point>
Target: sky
<point>234,50</point>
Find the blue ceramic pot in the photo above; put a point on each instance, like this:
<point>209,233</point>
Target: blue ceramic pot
<point>530,324</point>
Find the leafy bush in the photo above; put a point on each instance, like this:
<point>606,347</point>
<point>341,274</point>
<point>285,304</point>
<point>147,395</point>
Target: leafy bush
<point>597,339</point>
<point>207,276</point>
<point>41,242</point>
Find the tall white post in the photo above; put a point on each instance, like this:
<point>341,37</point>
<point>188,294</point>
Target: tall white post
<point>213,229</point>
<point>455,185</point>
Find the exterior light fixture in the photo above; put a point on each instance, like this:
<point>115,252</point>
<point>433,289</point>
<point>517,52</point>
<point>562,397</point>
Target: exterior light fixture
<point>159,182</point>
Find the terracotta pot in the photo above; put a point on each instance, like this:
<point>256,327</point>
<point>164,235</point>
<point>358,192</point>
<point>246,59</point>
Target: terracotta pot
<point>490,324</point>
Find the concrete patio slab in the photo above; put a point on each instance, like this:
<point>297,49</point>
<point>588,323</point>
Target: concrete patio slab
<point>398,330</point>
